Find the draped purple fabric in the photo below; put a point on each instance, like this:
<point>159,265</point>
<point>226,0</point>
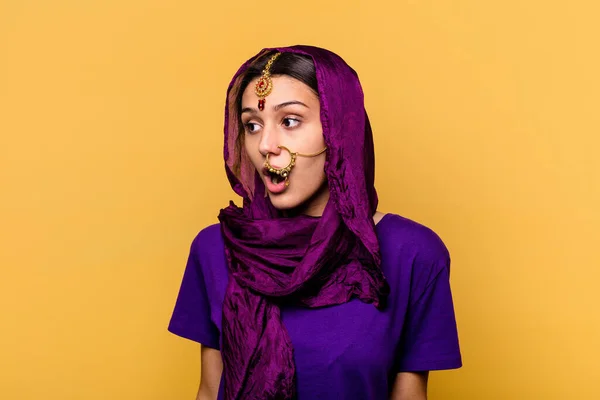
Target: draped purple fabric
<point>311,261</point>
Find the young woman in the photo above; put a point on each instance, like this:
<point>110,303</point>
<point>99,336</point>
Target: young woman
<point>307,291</point>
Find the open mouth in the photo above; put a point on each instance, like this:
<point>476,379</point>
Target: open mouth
<point>275,178</point>
<point>274,182</point>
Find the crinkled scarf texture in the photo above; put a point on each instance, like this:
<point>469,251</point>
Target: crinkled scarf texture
<point>302,260</point>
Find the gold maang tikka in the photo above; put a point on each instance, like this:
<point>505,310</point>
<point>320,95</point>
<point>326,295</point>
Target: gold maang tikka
<point>264,86</point>
<point>285,171</point>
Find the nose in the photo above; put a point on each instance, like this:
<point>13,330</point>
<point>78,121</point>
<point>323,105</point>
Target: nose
<point>268,142</point>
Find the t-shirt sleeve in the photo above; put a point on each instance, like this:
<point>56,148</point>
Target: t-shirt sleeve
<point>191,315</point>
<point>430,337</point>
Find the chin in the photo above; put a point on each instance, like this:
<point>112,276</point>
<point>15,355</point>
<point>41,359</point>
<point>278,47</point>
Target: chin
<point>309,202</point>
<point>285,201</point>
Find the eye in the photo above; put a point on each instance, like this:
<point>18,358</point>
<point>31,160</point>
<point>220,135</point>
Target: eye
<point>251,127</point>
<point>289,122</point>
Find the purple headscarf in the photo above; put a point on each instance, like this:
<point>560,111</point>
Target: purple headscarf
<point>304,260</point>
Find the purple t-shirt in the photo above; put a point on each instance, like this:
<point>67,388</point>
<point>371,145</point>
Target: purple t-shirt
<point>352,350</point>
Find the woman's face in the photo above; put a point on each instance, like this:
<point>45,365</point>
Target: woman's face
<point>291,118</point>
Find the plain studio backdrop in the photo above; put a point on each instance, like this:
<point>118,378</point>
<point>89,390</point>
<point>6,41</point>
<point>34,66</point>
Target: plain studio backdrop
<point>486,121</point>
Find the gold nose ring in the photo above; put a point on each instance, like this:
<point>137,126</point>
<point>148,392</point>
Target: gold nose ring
<point>285,171</point>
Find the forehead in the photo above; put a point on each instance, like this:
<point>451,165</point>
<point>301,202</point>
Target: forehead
<point>285,88</point>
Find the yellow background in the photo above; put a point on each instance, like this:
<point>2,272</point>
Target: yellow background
<point>486,120</point>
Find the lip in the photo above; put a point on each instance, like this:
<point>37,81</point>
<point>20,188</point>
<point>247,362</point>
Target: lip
<point>272,187</point>
<point>266,170</point>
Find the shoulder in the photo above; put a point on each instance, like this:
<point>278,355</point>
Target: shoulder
<point>413,256</point>
<point>408,244</point>
<point>207,240</point>
<point>400,232</point>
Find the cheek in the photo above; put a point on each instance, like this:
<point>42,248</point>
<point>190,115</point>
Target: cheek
<point>313,172</point>
<point>316,138</point>
<point>251,150</point>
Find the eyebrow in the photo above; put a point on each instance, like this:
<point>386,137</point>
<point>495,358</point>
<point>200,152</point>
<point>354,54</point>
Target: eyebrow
<point>275,108</point>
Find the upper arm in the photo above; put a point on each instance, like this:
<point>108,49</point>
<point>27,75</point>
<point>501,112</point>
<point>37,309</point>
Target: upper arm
<point>430,336</point>
<point>410,386</point>
<point>191,317</point>
<point>211,369</point>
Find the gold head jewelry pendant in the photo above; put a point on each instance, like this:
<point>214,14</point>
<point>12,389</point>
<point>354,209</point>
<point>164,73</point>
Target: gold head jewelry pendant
<point>264,85</point>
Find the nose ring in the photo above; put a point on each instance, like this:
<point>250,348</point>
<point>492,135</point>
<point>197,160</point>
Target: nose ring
<point>285,171</point>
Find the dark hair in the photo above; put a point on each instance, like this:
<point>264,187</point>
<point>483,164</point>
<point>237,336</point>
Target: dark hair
<point>297,66</point>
